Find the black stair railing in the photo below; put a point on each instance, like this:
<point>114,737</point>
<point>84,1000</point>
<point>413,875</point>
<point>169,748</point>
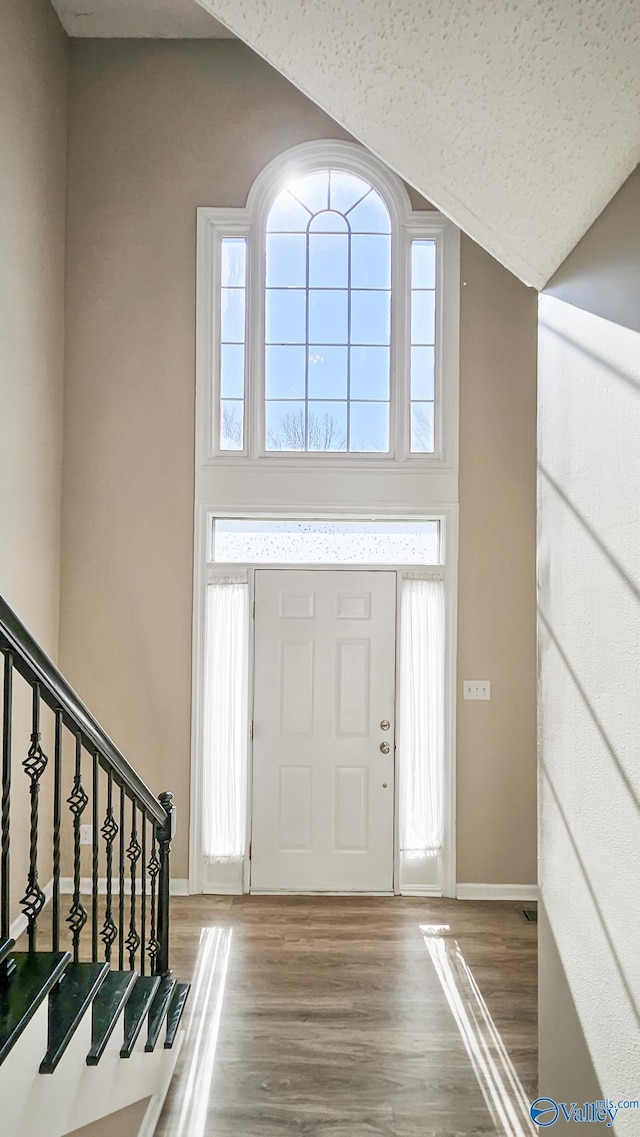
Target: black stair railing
<point>120,909</point>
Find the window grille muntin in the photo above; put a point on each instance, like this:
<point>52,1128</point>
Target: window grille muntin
<point>332,229</point>
<point>232,342</point>
<point>423,344</point>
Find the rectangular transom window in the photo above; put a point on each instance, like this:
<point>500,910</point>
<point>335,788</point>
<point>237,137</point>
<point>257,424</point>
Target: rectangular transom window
<point>239,541</point>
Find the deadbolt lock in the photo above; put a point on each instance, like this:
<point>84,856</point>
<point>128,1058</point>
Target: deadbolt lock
<point>385,724</point>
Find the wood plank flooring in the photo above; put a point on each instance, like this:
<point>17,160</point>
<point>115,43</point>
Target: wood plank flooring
<point>353,1017</point>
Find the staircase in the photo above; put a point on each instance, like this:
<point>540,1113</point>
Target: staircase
<point>89,1012</point>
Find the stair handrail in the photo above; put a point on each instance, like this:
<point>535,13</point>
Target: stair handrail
<point>35,666</point>
<point>22,654</point>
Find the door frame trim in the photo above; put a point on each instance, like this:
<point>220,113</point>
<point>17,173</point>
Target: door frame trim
<point>204,569</point>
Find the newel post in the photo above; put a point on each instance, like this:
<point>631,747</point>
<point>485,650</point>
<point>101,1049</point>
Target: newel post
<point>165,836</point>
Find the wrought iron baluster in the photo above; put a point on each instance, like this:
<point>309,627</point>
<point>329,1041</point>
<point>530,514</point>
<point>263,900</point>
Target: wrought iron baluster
<point>77,802</point>
<point>145,928</point>
<point>134,851</point>
<point>153,869</point>
<point>34,766</point>
<point>109,832</point>
<point>165,836</point>
<point>95,837</point>
<point>143,893</point>
<point>121,884</point>
<point>57,818</point>
<point>7,712</point>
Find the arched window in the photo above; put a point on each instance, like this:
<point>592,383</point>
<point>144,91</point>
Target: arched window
<point>328,316</point>
<point>323,326</point>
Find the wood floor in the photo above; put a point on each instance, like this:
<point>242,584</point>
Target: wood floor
<point>353,1017</point>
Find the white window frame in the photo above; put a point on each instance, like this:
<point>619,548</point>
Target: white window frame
<point>214,224</point>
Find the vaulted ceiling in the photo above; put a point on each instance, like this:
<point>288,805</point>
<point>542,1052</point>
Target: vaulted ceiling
<point>518,118</point>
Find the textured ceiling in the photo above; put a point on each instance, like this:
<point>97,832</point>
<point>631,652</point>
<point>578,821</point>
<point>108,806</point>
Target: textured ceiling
<point>518,118</point>
<point>155,19</point>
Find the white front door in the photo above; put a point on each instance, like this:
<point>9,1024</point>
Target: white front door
<point>323,788</point>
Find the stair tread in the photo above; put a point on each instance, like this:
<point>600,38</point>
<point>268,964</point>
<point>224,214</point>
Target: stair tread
<point>158,1012</point>
<point>174,1014</point>
<point>68,1003</point>
<point>136,1010</point>
<point>5,949</point>
<point>26,989</point>
<point>108,1005</point>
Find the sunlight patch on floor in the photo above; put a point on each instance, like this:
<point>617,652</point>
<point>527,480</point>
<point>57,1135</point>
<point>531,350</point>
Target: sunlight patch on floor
<point>207,995</point>
<point>501,1088</point>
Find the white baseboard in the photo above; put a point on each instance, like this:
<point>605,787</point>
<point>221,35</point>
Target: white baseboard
<point>222,890</point>
<point>420,890</point>
<point>313,892</point>
<point>497,892</point>
<point>179,886</point>
<point>20,923</point>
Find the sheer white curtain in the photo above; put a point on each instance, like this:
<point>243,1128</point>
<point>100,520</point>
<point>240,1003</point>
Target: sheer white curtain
<point>225,720</point>
<point>421,716</point>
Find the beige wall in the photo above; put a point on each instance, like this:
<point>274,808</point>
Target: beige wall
<point>33,106</point>
<point>157,129</point>
<point>589,588</point>
<point>496,617</point>
<point>33,161</point>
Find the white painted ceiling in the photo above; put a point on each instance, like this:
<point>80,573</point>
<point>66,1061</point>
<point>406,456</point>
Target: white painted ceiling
<point>518,118</point>
<point>153,19</point>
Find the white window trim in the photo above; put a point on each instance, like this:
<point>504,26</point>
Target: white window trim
<point>250,222</point>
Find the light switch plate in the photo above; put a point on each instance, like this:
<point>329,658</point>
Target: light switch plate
<point>86,834</point>
<point>477,689</point>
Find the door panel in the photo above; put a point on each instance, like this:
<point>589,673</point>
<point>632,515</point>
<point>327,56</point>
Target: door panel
<point>350,809</point>
<point>296,686</point>
<point>323,791</point>
<point>294,830</point>
<point>353,673</point>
